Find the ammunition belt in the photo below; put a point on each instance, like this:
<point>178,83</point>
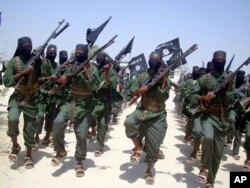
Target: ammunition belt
<point>213,109</point>
<point>150,103</point>
<point>80,93</point>
<point>217,110</point>
<point>24,91</point>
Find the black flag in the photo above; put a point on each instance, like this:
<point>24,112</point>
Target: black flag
<point>92,34</point>
<point>125,50</point>
<point>170,46</point>
<point>137,65</point>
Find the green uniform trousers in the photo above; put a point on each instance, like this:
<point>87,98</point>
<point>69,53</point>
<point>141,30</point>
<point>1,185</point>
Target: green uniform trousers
<point>235,132</point>
<point>197,129</point>
<point>28,127</point>
<point>247,134</point>
<point>81,127</point>
<point>212,148</point>
<point>102,125</point>
<point>154,131</point>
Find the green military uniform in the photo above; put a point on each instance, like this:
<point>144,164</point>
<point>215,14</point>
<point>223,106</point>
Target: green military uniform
<point>49,104</point>
<point>24,99</point>
<point>78,109</point>
<point>150,116</point>
<point>246,144</point>
<point>103,101</point>
<point>214,122</point>
<point>117,97</point>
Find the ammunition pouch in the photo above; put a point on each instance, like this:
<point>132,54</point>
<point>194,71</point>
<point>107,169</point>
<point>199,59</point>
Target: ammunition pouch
<point>151,104</point>
<point>80,93</point>
<point>26,91</point>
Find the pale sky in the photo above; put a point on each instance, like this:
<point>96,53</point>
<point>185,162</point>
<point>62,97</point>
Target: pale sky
<point>212,24</point>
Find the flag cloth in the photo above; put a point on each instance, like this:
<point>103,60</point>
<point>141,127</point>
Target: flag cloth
<point>137,65</point>
<point>169,47</point>
<point>0,17</point>
<point>127,49</point>
<point>92,34</point>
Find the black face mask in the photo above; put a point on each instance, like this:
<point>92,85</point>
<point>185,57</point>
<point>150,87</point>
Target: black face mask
<point>62,60</point>
<point>155,65</point>
<point>51,58</point>
<point>100,62</point>
<point>218,66</point>
<point>25,52</point>
<point>239,81</point>
<point>195,75</point>
<point>81,58</point>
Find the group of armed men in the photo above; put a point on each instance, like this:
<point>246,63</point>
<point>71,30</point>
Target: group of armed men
<point>50,93</point>
<point>215,121</point>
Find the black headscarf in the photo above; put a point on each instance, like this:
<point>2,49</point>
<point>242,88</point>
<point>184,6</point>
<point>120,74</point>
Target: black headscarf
<point>51,56</point>
<point>21,50</point>
<point>63,56</point>
<point>219,65</point>
<point>83,56</point>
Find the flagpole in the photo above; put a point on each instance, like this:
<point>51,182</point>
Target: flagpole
<point>5,48</point>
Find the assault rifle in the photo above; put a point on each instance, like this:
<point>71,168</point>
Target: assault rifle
<point>70,76</point>
<point>226,80</point>
<point>151,81</point>
<point>38,52</point>
<point>223,82</point>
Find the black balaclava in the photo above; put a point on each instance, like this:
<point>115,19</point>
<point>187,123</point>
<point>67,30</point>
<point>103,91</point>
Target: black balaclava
<point>80,58</point>
<point>154,64</point>
<point>51,52</point>
<point>219,61</point>
<point>210,66</point>
<point>63,56</point>
<point>101,60</point>
<point>196,72</point>
<point>240,78</point>
<point>24,47</point>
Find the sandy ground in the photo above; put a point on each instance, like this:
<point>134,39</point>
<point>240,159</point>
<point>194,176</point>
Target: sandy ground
<point>113,168</point>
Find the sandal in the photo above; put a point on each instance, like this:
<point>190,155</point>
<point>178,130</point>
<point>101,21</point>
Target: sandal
<point>79,170</point>
<point>209,185</point>
<point>136,156</point>
<point>236,157</point>
<point>35,147</point>
<point>202,177</point>
<point>149,179</point>
<point>56,160</point>
<point>192,158</point>
<point>98,153</point>
<point>45,142</point>
<point>160,154</point>
<point>28,163</point>
<point>246,166</point>
<point>14,152</point>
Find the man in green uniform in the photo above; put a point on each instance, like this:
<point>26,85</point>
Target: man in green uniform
<point>103,99</point>
<point>78,109</point>
<point>246,145</point>
<point>214,120</point>
<point>47,106</point>
<point>149,116</point>
<point>25,80</point>
<point>236,116</point>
